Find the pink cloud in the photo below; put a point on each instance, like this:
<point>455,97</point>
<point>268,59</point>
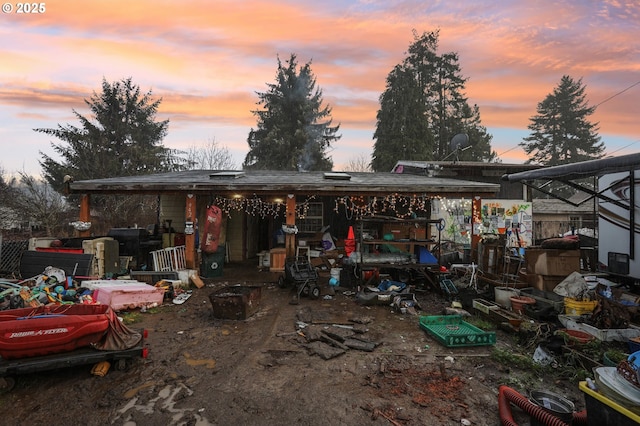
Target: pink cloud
<point>206,60</point>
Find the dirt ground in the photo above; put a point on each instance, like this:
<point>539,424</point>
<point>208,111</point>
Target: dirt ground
<point>203,370</point>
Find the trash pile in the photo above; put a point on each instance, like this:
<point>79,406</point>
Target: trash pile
<point>54,286</point>
<point>327,339</point>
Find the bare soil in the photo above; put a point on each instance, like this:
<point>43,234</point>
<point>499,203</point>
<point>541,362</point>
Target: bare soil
<point>203,370</point>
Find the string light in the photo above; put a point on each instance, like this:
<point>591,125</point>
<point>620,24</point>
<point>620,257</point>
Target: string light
<point>396,205</point>
<point>256,206</point>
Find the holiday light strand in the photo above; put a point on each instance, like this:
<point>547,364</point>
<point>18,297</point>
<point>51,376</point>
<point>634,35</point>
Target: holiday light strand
<point>396,205</point>
<point>256,206</point>
<point>401,206</point>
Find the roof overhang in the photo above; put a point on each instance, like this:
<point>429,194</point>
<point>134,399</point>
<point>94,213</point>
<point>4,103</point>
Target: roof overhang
<point>579,170</point>
<point>264,182</point>
<point>569,173</point>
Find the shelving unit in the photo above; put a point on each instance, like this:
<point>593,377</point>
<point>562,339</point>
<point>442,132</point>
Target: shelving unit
<point>414,234</point>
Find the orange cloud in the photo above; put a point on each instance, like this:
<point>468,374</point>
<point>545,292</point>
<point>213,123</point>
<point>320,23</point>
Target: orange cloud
<point>207,59</point>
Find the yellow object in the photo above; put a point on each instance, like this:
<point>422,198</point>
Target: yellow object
<point>608,404</point>
<point>578,307</point>
<point>101,369</point>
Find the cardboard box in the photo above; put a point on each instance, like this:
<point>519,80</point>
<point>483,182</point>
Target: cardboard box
<point>277,259</point>
<point>556,262</point>
<point>315,253</point>
<point>544,282</point>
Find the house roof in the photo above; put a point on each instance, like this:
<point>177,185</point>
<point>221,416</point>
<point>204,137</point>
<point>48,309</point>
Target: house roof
<point>223,182</point>
<point>554,206</point>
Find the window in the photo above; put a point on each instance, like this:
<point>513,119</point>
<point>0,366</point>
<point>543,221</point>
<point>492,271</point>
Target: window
<point>312,222</point>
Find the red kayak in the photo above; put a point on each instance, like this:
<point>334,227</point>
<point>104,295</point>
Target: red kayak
<point>50,329</point>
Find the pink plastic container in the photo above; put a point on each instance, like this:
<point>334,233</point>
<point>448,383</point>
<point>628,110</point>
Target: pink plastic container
<point>128,296</point>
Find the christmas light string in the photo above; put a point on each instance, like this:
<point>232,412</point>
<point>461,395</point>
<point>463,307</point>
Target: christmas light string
<point>256,206</point>
<point>400,206</point>
<point>359,206</point>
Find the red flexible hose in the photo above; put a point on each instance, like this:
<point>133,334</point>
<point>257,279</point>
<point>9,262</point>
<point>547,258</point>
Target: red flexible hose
<point>507,395</point>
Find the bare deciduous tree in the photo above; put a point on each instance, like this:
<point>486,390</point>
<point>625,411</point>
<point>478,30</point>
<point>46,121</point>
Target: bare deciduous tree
<point>359,163</point>
<point>8,216</point>
<point>211,156</point>
<point>37,202</point>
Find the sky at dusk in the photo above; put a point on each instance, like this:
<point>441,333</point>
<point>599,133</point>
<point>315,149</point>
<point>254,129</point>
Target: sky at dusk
<point>207,60</point>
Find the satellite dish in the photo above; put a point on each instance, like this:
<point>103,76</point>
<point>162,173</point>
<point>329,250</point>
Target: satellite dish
<point>459,141</point>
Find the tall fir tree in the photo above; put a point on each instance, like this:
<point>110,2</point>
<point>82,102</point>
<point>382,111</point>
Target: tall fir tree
<point>294,130</point>
<point>443,113</point>
<point>561,132</point>
<point>402,132</point>
<point>120,138</point>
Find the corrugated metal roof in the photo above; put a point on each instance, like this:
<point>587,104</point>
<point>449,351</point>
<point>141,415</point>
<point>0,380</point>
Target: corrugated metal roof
<point>579,170</point>
<point>278,182</point>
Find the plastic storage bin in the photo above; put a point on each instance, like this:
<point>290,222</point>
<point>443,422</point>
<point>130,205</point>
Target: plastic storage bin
<point>603,411</point>
<point>128,296</point>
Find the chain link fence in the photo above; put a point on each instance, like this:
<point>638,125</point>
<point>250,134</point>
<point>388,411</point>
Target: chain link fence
<point>10,254</point>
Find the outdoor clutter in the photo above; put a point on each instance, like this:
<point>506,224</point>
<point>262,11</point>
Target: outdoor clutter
<point>53,286</point>
<point>558,313</point>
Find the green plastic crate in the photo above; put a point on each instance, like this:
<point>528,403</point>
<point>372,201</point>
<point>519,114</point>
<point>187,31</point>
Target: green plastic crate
<point>453,332</point>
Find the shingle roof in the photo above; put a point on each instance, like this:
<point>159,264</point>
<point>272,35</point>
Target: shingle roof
<point>279,182</point>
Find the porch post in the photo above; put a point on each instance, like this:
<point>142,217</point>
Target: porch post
<point>189,232</point>
<point>290,239</point>
<point>85,213</point>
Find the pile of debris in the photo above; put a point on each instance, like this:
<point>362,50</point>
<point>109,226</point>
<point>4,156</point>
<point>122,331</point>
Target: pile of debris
<point>329,340</point>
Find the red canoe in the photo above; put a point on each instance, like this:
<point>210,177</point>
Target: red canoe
<point>51,329</point>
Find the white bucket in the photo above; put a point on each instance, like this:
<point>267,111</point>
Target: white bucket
<point>503,296</point>
<point>335,273</point>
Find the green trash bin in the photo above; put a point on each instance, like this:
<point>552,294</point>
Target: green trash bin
<point>213,263</point>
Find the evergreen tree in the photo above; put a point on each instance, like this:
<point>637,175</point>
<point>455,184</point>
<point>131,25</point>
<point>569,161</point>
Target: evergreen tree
<point>294,130</point>
<point>561,132</point>
<point>444,111</point>
<point>401,131</point>
<point>121,138</point>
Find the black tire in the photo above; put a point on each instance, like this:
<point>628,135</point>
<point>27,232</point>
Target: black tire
<point>282,282</point>
<point>314,292</point>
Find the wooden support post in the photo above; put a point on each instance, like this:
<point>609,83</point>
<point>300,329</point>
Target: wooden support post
<point>189,232</point>
<point>290,239</point>
<point>85,213</point>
